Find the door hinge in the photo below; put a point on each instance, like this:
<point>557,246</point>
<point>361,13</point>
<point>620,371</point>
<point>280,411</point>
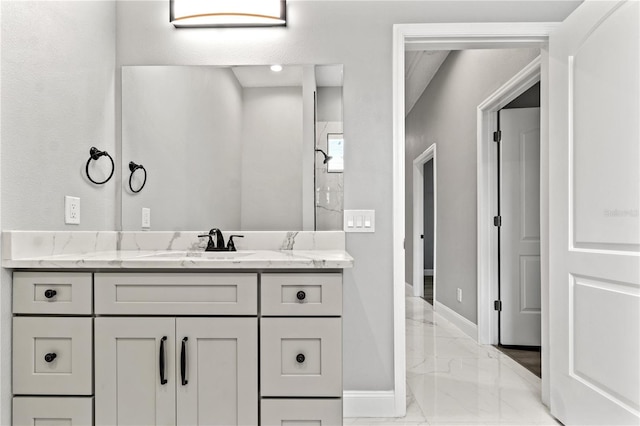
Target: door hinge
<point>497,305</point>
<point>497,136</point>
<point>497,221</point>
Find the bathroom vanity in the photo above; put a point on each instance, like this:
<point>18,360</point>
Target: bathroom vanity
<point>178,337</point>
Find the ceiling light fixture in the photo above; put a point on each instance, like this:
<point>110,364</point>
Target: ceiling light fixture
<point>228,13</point>
<point>276,68</point>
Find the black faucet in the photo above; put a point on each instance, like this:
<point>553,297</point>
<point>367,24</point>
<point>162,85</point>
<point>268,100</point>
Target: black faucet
<point>219,244</point>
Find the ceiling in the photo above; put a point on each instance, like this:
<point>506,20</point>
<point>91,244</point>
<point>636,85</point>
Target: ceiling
<point>420,66</point>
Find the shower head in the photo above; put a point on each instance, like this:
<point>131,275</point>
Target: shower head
<point>326,157</point>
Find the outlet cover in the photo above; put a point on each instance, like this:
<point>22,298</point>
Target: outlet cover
<point>71,210</point>
<point>459,295</point>
<point>146,218</point>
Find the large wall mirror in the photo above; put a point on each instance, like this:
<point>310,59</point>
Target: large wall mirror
<point>237,148</point>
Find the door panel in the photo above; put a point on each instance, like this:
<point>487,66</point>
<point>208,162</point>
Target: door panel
<point>594,151</point>
<point>128,386</point>
<point>520,231</point>
<point>221,375</point>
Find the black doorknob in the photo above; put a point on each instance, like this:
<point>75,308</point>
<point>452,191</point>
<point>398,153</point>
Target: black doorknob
<point>301,295</point>
<point>50,357</point>
<point>50,293</point>
<point>300,358</point>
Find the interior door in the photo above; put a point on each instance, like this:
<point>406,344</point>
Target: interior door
<point>217,376</point>
<point>594,201</point>
<point>520,231</point>
<point>130,354</point>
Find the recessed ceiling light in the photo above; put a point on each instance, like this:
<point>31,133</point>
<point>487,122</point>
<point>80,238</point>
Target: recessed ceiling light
<point>276,68</point>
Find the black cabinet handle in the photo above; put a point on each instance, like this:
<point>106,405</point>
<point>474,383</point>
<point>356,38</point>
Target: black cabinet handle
<point>183,362</point>
<point>50,357</point>
<point>163,381</point>
<point>301,295</point>
<point>300,358</point>
<point>50,293</point>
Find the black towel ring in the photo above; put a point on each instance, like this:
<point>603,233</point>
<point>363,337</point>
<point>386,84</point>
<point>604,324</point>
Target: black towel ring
<point>95,153</point>
<point>133,167</point>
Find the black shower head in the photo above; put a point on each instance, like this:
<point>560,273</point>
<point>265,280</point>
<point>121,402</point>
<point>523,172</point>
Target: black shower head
<point>326,157</point>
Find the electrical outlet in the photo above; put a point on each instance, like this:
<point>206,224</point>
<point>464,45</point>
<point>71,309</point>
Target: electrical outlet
<point>72,210</point>
<point>146,218</point>
<point>459,295</point>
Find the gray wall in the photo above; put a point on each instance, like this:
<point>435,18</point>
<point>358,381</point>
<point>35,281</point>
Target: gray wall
<point>271,152</point>
<point>329,101</point>
<point>184,124</point>
<point>58,69</point>
<point>446,114</point>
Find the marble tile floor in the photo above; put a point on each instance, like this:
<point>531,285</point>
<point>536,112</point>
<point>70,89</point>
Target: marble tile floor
<point>452,380</point>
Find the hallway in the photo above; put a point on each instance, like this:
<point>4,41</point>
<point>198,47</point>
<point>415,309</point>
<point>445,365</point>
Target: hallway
<point>453,380</point>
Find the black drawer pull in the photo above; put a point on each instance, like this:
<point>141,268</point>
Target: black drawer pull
<point>163,381</point>
<point>183,362</point>
<point>301,295</point>
<point>300,358</point>
<point>50,293</point>
<point>50,357</point>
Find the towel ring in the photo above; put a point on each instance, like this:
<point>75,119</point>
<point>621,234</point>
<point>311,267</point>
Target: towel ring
<point>95,153</point>
<point>133,167</point>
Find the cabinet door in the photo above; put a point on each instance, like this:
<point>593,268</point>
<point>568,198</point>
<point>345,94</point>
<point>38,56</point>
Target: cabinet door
<point>219,382</point>
<point>129,356</point>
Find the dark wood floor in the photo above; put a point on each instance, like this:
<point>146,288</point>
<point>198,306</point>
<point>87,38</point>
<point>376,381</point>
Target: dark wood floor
<point>428,289</point>
<point>528,357</point>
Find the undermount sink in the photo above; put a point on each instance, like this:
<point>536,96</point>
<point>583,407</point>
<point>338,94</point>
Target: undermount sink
<point>203,254</point>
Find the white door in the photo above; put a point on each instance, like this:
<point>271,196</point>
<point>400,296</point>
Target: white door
<point>217,375</point>
<point>594,201</point>
<point>132,357</point>
<point>520,230</point>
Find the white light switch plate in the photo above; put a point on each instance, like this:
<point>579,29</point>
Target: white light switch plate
<point>359,221</point>
<point>146,218</point>
<point>71,210</point>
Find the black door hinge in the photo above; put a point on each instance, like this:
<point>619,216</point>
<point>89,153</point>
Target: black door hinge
<point>497,136</point>
<point>497,305</point>
<point>497,221</point>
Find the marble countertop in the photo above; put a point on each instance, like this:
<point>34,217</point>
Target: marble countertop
<point>177,259</point>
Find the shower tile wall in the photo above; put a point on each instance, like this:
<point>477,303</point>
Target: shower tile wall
<point>329,186</point>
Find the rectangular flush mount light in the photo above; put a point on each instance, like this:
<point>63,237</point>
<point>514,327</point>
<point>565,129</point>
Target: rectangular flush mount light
<point>228,13</point>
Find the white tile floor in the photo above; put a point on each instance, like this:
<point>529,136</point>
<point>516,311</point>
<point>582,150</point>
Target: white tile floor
<point>453,380</point>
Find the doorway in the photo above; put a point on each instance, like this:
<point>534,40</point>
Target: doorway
<point>517,142</point>
<point>425,220</point>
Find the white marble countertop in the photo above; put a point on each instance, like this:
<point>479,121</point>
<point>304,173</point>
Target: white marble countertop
<point>176,259</point>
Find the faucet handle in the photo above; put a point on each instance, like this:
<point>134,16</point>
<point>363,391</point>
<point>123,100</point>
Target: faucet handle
<point>231,245</point>
<point>210,242</point>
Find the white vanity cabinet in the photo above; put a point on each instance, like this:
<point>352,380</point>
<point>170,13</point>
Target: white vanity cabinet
<point>301,348</point>
<point>178,348</point>
<point>52,348</point>
<point>185,371</point>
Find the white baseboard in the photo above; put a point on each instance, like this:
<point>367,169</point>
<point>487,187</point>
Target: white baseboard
<point>458,320</point>
<point>369,404</point>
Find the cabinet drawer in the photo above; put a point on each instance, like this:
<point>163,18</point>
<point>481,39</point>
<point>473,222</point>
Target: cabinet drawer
<point>301,357</point>
<point>52,293</point>
<point>52,411</point>
<point>176,294</point>
<point>301,294</point>
<point>312,412</point>
<point>52,356</point>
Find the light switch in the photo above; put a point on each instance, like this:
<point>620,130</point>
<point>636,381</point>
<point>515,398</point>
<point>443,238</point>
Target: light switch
<point>359,220</point>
